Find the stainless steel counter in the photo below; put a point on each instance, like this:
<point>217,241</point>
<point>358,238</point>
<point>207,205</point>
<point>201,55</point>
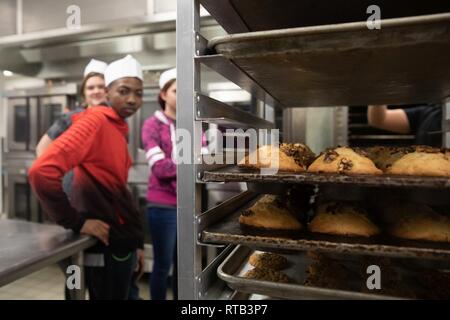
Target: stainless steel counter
<point>26,247</point>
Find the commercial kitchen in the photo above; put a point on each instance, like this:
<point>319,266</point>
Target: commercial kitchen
<point>356,207</point>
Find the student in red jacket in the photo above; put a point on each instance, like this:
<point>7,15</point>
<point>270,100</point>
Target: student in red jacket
<point>101,205</point>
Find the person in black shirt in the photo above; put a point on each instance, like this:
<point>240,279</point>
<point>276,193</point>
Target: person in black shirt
<point>422,121</point>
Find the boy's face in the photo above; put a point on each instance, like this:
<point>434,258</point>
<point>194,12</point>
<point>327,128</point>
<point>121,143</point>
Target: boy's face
<point>125,96</point>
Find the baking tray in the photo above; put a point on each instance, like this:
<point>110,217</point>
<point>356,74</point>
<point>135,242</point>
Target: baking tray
<point>236,174</point>
<point>229,231</point>
<point>406,61</point>
<point>236,264</point>
<point>249,15</point>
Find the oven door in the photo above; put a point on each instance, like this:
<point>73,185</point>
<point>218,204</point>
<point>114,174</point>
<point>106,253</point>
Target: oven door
<point>50,110</point>
<point>21,202</point>
<point>22,124</point>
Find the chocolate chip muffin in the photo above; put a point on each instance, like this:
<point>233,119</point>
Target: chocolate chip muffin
<point>287,157</point>
<point>344,160</point>
<point>269,213</point>
<point>342,218</point>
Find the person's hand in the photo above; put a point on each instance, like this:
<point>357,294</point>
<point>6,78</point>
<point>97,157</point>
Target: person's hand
<point>140,263</point>
<point>96,228</point>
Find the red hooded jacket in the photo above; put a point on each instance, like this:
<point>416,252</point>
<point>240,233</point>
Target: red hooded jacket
<point>95,147</point>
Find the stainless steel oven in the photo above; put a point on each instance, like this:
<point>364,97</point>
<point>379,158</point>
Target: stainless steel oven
<point>50,109</point>
<point>22,132</point>
<point>29,114</point>
<point>20,200</point>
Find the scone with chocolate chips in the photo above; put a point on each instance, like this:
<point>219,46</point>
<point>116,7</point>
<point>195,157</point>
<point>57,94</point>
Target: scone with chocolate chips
<point>383,157</point>
<point>267,275</point>
<point>293,157</point>
<point>327,273</point>
<point>269,213</point>
<point>268,260</point>
<point>415,221</point>
<point>342,218</point>
<point>423,161</point>
<point>344,160</point>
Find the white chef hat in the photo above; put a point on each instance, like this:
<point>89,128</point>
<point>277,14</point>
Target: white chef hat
<point>95,66</point>
<point>123,68</point>
<point>166,76</point>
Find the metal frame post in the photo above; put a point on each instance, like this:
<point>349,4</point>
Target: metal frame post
<point>188,190</point>
<point>446,122</point>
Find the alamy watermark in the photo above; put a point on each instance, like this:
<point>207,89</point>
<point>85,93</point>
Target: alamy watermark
<point>374,21</point>
<point>73,281</point>
<point>73,21</point>
<point>228,147</point>
<point>374,280</point>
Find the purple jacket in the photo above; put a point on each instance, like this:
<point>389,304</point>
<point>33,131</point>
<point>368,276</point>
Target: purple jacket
<point>158,137</point>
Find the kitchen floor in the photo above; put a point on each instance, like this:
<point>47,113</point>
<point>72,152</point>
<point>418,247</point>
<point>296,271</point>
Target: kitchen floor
<point>48,284</point>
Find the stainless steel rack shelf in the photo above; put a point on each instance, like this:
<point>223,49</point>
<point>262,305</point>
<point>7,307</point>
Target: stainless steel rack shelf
<point>232,270</point>
<point>332,60</point>
<point>347,64</point>
<point>236,174</point>
<point>237,16</point>
<point>228,230</point>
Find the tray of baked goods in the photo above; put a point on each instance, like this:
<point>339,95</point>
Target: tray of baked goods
<point>414,166</point>
<point>389,226</point>
<point>315,275</point>
<point>348,63</point>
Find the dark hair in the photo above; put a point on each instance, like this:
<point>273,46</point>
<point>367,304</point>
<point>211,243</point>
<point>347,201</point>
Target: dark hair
<point>83,85</point>
<point>166,87</point>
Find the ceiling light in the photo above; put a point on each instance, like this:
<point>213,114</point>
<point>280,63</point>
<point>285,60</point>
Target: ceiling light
<point>7,73</point>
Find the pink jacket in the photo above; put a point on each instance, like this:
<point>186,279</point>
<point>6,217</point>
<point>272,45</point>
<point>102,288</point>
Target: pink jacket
<point>158,137</point>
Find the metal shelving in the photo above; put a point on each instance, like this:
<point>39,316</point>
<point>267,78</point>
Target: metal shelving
<point>347,64</point>
<point>193,109</point>
<point>197,281</point>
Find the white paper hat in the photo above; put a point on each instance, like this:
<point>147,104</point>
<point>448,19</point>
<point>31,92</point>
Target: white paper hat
<point>123,68</point>
<point>166,76</point>
<point>95,66</point>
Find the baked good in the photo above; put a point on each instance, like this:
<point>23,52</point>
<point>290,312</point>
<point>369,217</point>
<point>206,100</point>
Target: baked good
<point>392,282</point>
<point>414,221</point>
<point>269,213</point>
<point>327,273</point>
<point>344,160</point>
<point>268,260</point>
<point>423,161</point>
<point>436,283</point>
<point>293,157</point>
<point>342,218</point>
<point>267,275</point>
<point>384,157</point>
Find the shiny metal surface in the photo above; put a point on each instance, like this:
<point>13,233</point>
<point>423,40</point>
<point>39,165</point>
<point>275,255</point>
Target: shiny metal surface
<point>212,111</point>
<point>26,247</point>
<point>90,11</point>
<point>237,174</point>
<point>347,64</point>
<point>8,9</point>
<point>248,15</point>
<point>231,272</point>
<point>228,69</point>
